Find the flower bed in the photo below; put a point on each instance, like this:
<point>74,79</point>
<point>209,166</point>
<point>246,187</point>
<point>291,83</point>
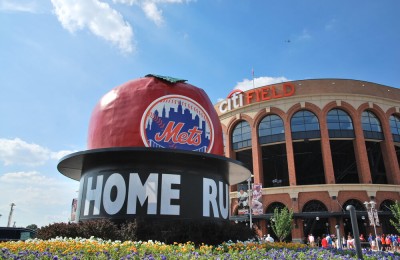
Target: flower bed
<point>68,248</point>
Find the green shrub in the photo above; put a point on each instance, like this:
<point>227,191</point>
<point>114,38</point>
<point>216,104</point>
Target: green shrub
<point>169,232</point>
<point>58,229</point>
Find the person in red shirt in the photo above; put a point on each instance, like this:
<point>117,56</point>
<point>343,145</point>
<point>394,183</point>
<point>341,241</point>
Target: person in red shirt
<point>383,241</point>
<point>324,242</point>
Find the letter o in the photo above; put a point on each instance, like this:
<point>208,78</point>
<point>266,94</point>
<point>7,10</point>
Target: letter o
<point>113,207</point>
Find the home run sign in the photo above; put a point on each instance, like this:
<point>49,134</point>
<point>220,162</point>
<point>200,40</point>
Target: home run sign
<point>154,151</point>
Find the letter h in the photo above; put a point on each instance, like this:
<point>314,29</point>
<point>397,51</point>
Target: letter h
<point>93,194</point>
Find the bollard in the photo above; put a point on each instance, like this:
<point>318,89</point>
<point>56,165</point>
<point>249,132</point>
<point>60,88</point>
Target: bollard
<point>339,239</point>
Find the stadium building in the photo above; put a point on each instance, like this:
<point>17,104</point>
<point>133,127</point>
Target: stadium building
<point>316,146</point>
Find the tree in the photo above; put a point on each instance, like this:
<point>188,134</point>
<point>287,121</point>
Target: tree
<point>32,226</point>
<point>395,209</point>
<point>282,223</point>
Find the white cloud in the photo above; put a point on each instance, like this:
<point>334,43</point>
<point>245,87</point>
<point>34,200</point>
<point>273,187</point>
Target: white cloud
<point>60,154</point>
<point>247,84</point>
<point>39,199</point>
<point>305,35</point>
<point>152,12</point>
<point>331,25</point>
<point>151,7</point>
<point>25,178</point>
<point>19,6</point>
<point>17,151</point>
<point>98,17</point>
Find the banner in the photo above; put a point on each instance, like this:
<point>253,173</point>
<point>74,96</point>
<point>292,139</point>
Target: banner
<point>376,218</point>
<point>256,200</point>
<point>373,217</point>
<point>243,199</point>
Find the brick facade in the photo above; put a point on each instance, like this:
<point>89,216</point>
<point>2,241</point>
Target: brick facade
<point>319,97</point>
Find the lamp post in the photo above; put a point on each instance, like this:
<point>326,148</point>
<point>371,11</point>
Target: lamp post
<point>327,228</point>
<point>250,202</point>
<point>276,182</point>
<point>11,212</point>
<point>373,217</point>
<point>356,234</point>
<point>339,239</point>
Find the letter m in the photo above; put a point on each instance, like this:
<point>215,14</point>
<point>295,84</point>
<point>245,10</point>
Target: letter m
<point>142,192</point>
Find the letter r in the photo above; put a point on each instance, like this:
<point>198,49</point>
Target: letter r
<point>210,197</point>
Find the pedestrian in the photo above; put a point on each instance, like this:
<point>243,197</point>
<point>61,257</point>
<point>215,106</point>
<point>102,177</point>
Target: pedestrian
<point>344,242</point>
<point>311,240</point>
<point>324,242</point>
<point>350,242</point>
<point>329,240</point>
<point>383,242</point>
<point>371,241</point>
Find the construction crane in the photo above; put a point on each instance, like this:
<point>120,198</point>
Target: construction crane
<point>10,216</point>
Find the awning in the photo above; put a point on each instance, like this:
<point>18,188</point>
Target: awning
<point>304,215</point>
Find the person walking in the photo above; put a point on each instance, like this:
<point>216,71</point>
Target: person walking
<point>311,240</point>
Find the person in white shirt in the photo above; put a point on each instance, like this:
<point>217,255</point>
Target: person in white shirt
<point>311,240</point>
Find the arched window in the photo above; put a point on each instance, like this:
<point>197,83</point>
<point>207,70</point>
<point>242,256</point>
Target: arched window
<point>305,125</point>
<point>271,130</point>
<point>371,126</point>
<point>315,224</point>
<point>271,208</point>
<point>394,122</point>
<point>241,136</point>
<point>386,204</point>
<point>314,206</point>
<point>385,216</point>
<point>358,206</point>
<point>340,124</point>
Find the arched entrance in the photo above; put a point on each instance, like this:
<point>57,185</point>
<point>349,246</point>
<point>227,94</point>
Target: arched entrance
<point>384,219</point>
<point>270,210</point>
<point>316,225</point>
<point>362,218</point>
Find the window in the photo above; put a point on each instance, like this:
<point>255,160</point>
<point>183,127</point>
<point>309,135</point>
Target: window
<point>371,126</point>
<point>339,124</point>
<point>271,130</point>
<point>305,125</point>
<point>241,136</point>
<point>394,122</point>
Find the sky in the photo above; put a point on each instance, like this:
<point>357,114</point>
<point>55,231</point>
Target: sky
<point>59,57</point>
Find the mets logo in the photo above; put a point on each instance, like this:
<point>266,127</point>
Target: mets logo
<point>177,122</point>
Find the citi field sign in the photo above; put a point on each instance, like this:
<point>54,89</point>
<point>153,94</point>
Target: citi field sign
<point>155,152</point>
<point>238,98</point>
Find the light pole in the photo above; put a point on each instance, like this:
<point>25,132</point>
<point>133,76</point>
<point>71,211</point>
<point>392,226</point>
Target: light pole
<point>356,234</point>
<point>373,217</point>
<point>250,204</point>
<point>11,212</point>
<point>339,239</point>
<point>327,228</point>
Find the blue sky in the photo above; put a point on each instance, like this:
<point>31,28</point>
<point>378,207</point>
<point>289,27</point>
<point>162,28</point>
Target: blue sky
<point>59,57</point>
